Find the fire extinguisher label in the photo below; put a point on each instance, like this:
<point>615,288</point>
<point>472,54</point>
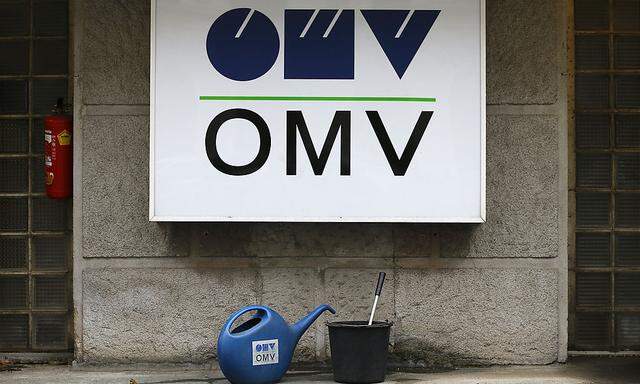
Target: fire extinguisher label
<point>64,138</point>
<point>47,136</point>
<point>49,178</point>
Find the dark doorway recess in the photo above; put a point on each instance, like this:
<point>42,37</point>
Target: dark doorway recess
<point>35,232</point>
<point>605,252</point>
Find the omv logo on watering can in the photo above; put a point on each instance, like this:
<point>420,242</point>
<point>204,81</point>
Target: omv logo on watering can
<point>259,350</point>
<point>243,44</point>
<point>265,352</point>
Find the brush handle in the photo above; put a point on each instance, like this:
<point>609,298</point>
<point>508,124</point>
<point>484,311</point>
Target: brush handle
<point>381,277</point>
<point>378,291</point>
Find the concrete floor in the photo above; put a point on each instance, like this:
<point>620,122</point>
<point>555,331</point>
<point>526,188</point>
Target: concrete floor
<point>577,371</point>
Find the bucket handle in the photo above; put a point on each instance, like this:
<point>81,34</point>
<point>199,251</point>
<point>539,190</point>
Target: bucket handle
<point>235,316</point>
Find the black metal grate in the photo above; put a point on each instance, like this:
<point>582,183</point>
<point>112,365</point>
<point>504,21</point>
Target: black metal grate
<point>14,292</point>
<point>627,289</point>
<point>628,249</point>
<point>15,214</point>
<point>592,330</point>
<point>592,209</point>
<point>593,289</point>
<point>50,253</point>
<point>592,52</point>
<point>593,170</point>
<point>35,279</point>
<point>628,170</point>
<point>605,267</point>
<point>50,331</point>
<point>592,250</point>
<point>14,331</point>
<point>15,57</point>
<point>628,336</point>
<point>592,91</point>
<point>591,14</point>
<point>14,97</point>
<point>14,136</point>
<point>627,130</point>
<point>626,15</point>
<point>13,252</point>
<point>15,175</point>
<point>627,54</point>
<point>592,130</point>
<point>50,292</point>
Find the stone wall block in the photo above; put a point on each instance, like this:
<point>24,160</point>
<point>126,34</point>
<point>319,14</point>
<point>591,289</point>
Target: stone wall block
<point>221,239</point>
<point>115,193</point>
<point>523,50</point>
<point>114,63</point>
<point>159,315</point>
<point>523,201</point>
<point>321,240</point>
<point>476,317</point>
<point>415,240</point>
<point>292,240</point>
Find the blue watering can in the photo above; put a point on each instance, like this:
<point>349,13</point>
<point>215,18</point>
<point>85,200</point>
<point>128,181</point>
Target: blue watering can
<point>259,350</point>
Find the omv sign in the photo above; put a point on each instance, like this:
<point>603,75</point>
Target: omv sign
<point>317,110</point>
<point>243,44</point>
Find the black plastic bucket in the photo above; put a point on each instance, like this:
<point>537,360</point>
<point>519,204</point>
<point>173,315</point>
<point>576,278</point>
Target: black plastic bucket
<point>359,351</point>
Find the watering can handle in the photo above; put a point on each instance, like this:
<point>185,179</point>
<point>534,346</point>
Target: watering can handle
<point>241,312</point>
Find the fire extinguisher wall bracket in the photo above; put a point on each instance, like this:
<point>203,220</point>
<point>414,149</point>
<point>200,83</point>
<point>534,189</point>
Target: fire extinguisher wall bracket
<point>58,153</point>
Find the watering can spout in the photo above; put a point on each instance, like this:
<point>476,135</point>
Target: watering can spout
<point>301,326</point>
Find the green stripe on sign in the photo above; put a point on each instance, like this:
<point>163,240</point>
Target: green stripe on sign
<point>322,98</point>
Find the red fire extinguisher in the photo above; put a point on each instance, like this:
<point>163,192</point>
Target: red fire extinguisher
<point>58,153</point>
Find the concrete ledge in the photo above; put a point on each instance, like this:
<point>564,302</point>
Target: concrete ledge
<point>577,371</point>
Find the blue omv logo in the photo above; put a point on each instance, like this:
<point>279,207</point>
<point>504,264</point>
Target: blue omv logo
<point>243,44</point>
<point>265,347</point>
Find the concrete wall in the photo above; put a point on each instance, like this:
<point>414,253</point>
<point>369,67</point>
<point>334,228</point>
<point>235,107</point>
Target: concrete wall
<point>459,294</point>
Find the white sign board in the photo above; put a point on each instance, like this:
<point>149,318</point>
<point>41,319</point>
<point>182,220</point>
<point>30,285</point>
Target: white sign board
<point>332,110</point>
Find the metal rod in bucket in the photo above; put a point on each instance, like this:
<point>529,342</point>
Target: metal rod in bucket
<point>378,291</point>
